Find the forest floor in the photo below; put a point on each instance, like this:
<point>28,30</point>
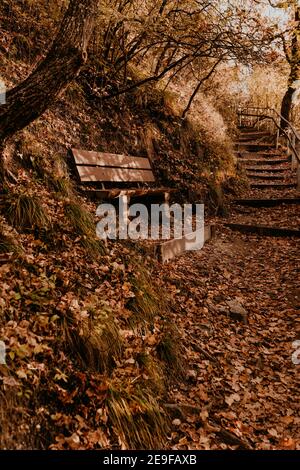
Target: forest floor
<point>238,299</point>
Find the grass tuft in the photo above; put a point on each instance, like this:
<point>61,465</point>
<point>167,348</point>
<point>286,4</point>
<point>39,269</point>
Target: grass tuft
<point>170,351</point>
<point>153,373</point>
<point>80,219</point>
<point>93,246</point>
<point>95,340</point>
<point>147,303</point>
<point>8,245</point>
<point>137,419</point>
<point>61,185</point>
<point>25,212</point>
<point>83,224</point>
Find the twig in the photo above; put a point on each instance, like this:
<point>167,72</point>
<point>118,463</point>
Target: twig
<point>232,439</point>
<point>205,353</point>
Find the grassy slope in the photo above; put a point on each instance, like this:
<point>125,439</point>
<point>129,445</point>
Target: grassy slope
<point>87,333</point>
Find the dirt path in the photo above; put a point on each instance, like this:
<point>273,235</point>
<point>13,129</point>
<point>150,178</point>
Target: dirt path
<point>240,381</point>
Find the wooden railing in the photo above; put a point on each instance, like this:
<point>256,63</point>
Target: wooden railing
<point>270,120</point>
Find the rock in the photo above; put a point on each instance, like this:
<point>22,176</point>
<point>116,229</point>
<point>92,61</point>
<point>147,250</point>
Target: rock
<point>294,298</point>
<point>237,311</point>
<point>192,374</point>
<point>176,422</point>
<point>222,309</point>
<point>205,327</point>
<point>130,361</point>
<point>210,306</point>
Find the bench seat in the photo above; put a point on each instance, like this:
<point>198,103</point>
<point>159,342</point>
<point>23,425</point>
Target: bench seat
<point>94,169</point>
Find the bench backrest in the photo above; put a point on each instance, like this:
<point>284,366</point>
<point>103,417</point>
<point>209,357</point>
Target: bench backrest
<point>95,167</point>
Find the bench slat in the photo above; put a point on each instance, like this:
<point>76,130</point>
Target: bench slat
<point>115,193</point>
<point>84,157</point>
<point>89,174</point>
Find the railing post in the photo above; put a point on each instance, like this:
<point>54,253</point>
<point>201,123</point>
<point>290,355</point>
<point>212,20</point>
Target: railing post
<point>296,162</point>
<point>293,145</point>
<point>294,158</point>
<point>287,140</point>
<point>277,139</point>
<point>298,176</point>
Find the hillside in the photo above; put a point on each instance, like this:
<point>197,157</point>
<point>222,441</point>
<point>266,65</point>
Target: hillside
<point>103,347</point>
<point>87,327</point>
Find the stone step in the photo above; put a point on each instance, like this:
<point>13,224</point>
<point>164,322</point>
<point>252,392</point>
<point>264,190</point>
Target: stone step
<point>249,129</point>
<point>268,169</point>
<point>263,161</point>
<point>266,176</point>
<point>254,132</point>
<point>253,137</point>
<point>271,185</point>
<point>255,144</point>
<point>264,230</point>
<point>267,202</point>
<point>244,153</point>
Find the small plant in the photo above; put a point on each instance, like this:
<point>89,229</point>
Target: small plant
<point>215,198</point>
<point>170,351</point>
<point>12,412</point>
<point>8,245</point>
<point>25,212</point>
<point>152,372</point>
<point>80,219</point>
<point>93,246</point>
<point>32,155</point>
<point>83,223</point>
<point>137,419</point>
<point>95,340</point>
<point>147,303</point>
<point>60,185</point>
<point>21,47</point>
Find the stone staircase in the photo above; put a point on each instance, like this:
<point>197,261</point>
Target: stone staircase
<point>270,207</point>
<point>265,166</point>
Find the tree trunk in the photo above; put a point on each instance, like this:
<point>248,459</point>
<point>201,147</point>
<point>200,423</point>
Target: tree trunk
<point>31,98</point>
<point>286,107</point>
<point>293,58</point>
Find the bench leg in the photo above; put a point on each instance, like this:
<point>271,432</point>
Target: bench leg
<point>124,202</point>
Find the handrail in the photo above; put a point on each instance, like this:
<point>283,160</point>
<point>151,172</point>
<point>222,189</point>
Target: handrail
<point>282,130</point>
<point>280,117</point>
<point>241,112</point>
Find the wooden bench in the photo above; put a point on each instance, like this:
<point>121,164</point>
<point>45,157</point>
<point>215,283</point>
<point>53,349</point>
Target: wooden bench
<point>114,173</point>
